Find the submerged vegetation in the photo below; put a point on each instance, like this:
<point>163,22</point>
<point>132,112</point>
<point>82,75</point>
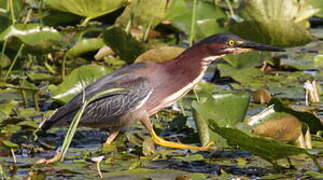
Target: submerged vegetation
<point>263,110</point>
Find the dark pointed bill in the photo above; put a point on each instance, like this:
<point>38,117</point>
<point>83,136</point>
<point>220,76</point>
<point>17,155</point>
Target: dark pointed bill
<point>260,46</point>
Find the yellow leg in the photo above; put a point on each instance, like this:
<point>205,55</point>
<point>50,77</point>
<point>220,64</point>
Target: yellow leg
<point>54,159</point>
<point>112,136</point>
<point>160,141</point>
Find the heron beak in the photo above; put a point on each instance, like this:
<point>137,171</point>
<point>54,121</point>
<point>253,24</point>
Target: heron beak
<point>259,46</point>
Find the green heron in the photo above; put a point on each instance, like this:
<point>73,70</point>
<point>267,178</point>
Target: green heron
<point>150,87</point>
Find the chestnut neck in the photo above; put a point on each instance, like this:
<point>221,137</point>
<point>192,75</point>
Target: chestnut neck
<point>193,61</point>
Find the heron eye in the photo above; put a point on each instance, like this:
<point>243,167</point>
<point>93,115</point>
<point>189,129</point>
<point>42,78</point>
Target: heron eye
<point>231,42</point>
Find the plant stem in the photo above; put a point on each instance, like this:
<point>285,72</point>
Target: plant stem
<point>14,62</point>
<point>230,7</point>
<point>86,20</point>
<point>128,27</point>
<point>2,55</point>
<point>35,99</point>
<point>64,66</point>
<point>72,129</point>
<point>192,32</point>
<point>12,12</point>
<point>146,33</point>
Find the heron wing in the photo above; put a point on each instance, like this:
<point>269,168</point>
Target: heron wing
<point>110,106</point>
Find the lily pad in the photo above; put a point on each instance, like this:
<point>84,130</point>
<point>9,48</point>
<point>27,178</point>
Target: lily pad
<point>85,45</point>
<point>4,61</point>
<point>180,14</point>
<point>226,109</point>
<point>317,4</point>
<point>76,82</point>
<point>9,144</point>
<point>38,40</point>
<point>318,60</point>
<point>246,60</point>
<point>266,148</point>
<point>144,13</point>
<point>160,54</point>
<point>277,125</point>
<point>86,8</point>
<point>6,109</point>
<point>277,22</point>
<point>307,117</point>
<point>123,44</point>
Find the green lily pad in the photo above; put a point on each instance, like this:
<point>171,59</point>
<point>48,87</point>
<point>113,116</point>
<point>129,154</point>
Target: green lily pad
<point>9,144</point>
<point>126,47</point>
<point>266,148</point>
<point>56,18</point>
<point>226,109</point>
<point>276,22</point>
<point>76,82</point>
<point>85,45</point>
<point>37,39</point>
<point>207,14</point>
<point>247,60</point>
<point>317,4</point>
<point>18,9</point>
<point>86,8</point>
<point>6,109</point>
<point>309,118</point>
<point>160,54</point>
<point>4,61</point>
<point>144,13</point>
<point>318,60</point>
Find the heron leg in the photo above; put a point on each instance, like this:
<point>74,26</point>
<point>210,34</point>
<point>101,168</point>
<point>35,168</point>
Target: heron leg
<point>112,136</point>
<point>160,141</point>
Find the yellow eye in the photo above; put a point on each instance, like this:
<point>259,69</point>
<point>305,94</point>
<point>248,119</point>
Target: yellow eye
<point>231,42</point>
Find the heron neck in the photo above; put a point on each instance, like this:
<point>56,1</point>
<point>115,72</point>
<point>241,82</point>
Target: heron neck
<point>191,63</point>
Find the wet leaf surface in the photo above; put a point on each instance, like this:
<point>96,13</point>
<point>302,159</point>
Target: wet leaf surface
<point>123,44</point>
<point>146,14</point>
<point>85,46</point>
<point>38,39</point>
<point>265,148</point>
<point>87,8</point>
<point>160,54</point>
<point>226,109</point>
<point>76,82</point>
<point>290,25</point>
<point>180,14</point>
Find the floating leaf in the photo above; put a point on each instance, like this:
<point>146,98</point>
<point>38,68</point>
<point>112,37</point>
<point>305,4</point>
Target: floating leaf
<point>9,144</point>
<point>144,13</point>
<point>160,54</point>
<point>318,60</point>
<point>4,61</point>
<point>76,82</point>
<point>265,148</point>
<point>317,4</point>
<point>37,39</point>
<point>86,8</point>
<point>277,125</point>
<point>247,60</point>
<point>309,118</point>
<point>123,44</point>
<point>180,13</point>
<point>6,108</point>
<point>85,45</point>
<point>226,109</point>
<point>276,22</point>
